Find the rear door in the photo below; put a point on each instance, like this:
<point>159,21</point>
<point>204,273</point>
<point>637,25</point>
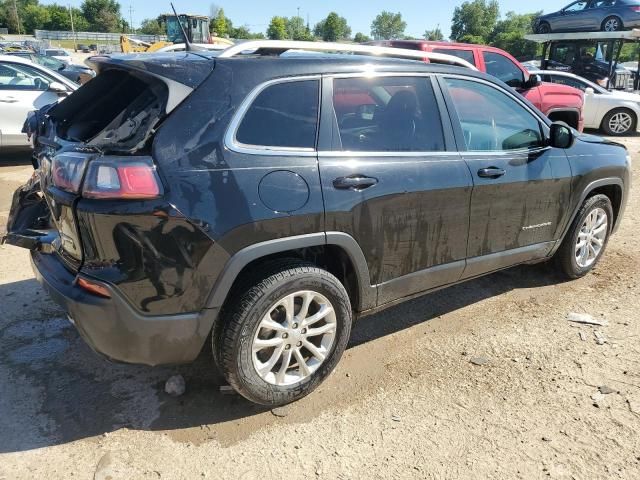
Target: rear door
<point>22,89</point>
<point>521,186</point>
<point>391,179</point>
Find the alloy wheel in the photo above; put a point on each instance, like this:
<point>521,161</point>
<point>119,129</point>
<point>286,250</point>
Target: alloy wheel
<point>620,122</point>
<point>612,25</point>
<point>294,338</point>
<point>591,237</point>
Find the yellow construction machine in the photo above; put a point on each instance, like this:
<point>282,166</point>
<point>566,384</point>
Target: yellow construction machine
<point>195,26</point>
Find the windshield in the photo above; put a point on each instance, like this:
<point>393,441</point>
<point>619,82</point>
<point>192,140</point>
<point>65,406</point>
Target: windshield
<point>50,62</point>
<point>174,32</point>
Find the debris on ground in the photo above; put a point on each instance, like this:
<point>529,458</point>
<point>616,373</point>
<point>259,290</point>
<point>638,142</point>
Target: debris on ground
<point>582,336</point>
<point>600,338</point>
<point>479,361</point>
<point>605,390</point>
<point>227,390</point>
<point>175,386</point>
<point>597,398</point>
<point>281,411</point>
<point>396,418</point>
<point>586,319</point>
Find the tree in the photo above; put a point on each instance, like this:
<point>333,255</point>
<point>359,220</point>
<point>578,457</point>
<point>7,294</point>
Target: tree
<point>243,32</point>
<point>333,28</point>
<point>34,17</point>
<point>474,21</point>
<point>361,38</point>
<point>297,30</point>
<point>434,35</point>
<point>509,33</point>
<point>102,15</point>
<point>388,25</point>
<point>220,25</point>
<point>151,26</point>
<point>277,29</point>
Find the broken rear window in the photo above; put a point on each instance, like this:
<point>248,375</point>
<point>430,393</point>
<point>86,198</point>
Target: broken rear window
<point>115,111</point>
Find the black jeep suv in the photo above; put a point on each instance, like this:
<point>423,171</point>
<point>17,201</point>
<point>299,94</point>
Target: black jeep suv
<point>264,200</point>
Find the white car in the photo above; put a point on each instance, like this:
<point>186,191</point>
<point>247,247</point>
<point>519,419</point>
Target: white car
<point>24,87</point>
<point>615,112</point>
<point>59,54</point>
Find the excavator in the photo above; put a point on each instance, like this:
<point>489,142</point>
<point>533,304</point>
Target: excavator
<point>196,27</point>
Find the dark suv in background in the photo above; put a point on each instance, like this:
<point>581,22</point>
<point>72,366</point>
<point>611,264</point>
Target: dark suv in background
<point>264,200</point>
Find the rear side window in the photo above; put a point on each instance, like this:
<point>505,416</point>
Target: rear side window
<point>282,115</point>
<point>456,52</point>
<point>501,67</point>
<point>387,114</point>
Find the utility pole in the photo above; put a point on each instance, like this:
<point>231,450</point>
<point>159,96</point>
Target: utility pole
<point>131,19</point>
<point>298,12</point>
<point>73,30</point>
<point>15,8</point>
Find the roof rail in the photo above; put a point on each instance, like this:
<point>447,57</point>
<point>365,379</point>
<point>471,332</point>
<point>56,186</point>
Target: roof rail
<point>276,47</point>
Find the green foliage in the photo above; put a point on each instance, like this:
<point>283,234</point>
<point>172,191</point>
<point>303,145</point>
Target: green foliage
<point>102,15</point>
<point>220,25</point>
<point>388,26</point>
<point>508,34</point>
<point>474,21</point>
<point>297,30</point>
<point>277,29</point>
<point>361,38</point>
<point>434,35</point>
<point>333,28</point>
<point>152,26</point>
<point>34,17</point>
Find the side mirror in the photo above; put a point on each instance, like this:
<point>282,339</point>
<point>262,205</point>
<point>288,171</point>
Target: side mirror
<point>561,135</point>
<point>589,91</point>
<point>533,82</point>
<point>58,88</point>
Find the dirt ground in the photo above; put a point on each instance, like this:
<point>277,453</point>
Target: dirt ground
<point>406,401</point>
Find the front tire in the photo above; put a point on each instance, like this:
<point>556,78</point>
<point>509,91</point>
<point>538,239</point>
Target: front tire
<point>587,238</point>
<point>284,334</point>
<point>619,121</point>
<point>612,24</point>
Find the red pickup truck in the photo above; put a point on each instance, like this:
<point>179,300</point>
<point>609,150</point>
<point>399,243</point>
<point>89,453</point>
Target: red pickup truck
<point>558,102</point>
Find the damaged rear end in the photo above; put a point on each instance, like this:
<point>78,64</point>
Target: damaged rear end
<point>105,242</point>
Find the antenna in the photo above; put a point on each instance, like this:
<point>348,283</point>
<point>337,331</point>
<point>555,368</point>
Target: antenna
<point>187,44</point>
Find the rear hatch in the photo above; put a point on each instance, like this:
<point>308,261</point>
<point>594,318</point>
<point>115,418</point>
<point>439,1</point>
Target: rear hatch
<point>97,141</point>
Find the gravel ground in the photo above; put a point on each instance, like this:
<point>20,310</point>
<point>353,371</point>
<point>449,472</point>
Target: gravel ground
<point>487,379</point>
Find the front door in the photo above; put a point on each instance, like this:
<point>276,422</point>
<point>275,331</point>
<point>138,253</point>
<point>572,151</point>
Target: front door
<point>391,178</point>
<point>521,186</point>
<point>22,89</point>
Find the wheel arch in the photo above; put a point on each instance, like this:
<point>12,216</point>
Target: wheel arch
<point>337,252</point>
<point>571,116</point>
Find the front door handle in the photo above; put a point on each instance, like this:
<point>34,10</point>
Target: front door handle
<point>8,100</point>
<point>354,182</point>
<point>491,172</point>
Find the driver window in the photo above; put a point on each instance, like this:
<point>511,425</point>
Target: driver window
<point>576,7</point>
<point>501,67</point>
<point>492,120</point>
<point>22,77</point>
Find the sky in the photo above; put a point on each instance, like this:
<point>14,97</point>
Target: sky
<point>419,15</point>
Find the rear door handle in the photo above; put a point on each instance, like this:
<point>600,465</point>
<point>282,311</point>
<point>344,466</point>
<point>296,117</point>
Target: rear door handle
<point>491,172</point>
<point>354,182</point>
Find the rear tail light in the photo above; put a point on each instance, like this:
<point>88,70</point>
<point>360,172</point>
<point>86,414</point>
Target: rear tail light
<point>122,178</point>
<point>636,9</point>
<point>67,171</point>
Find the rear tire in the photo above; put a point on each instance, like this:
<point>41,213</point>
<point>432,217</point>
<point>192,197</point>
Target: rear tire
<point>612,24</point>
<point>543,28</point>
<point>283,334</point>
<point>619,121</point>
<point>587,238</point>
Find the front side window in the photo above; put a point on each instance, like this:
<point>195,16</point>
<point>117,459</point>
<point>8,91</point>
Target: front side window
<point>15,76</point>
<point>503,68</point>
<point>387,114</point>
<point>457,52</point>
<point>576,6</point>
<point>282,115</point>
<point>492,120</point>
<point>572,82</point>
